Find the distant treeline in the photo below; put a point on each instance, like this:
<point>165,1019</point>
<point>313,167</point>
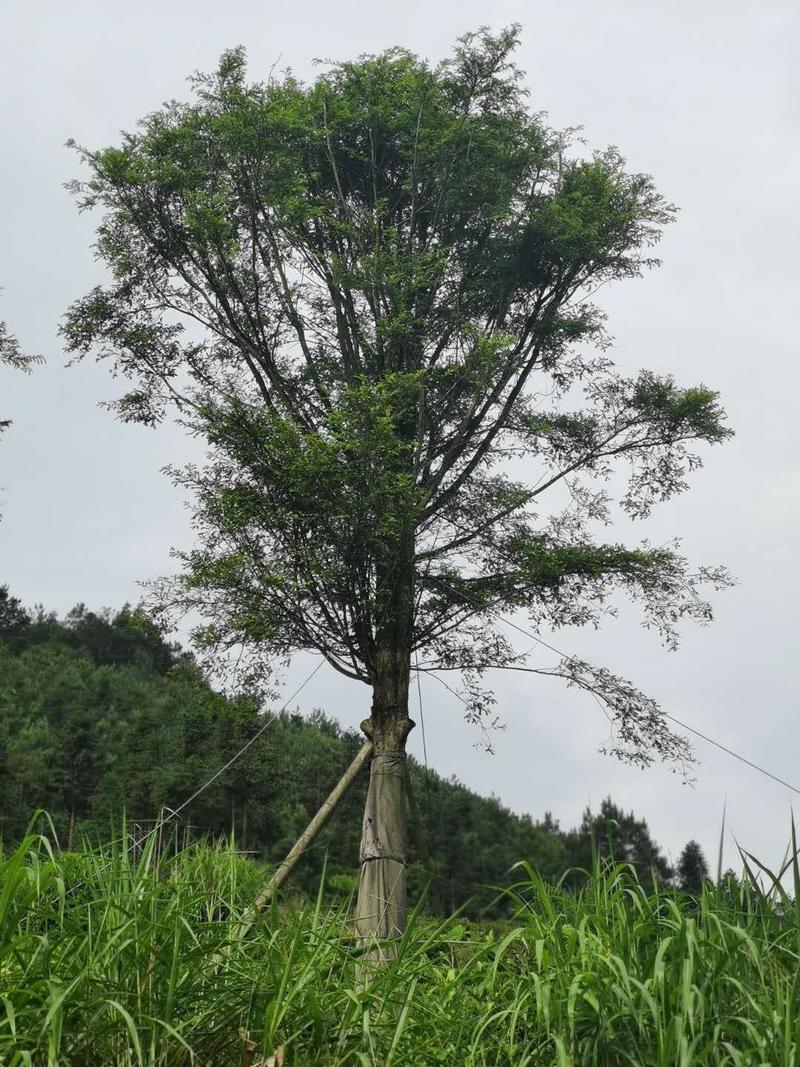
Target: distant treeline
<point>101,718</point>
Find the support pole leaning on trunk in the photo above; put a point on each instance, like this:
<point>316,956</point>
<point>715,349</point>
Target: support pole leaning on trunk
<point>306,838</point>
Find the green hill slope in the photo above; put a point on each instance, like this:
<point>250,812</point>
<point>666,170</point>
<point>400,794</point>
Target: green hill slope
<point>100,717</point>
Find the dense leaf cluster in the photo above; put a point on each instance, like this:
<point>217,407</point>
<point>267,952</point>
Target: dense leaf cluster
<point>371,295</point>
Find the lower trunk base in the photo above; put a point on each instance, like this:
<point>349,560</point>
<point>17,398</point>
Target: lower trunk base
<point>381,909</point>
<point>382,904</point>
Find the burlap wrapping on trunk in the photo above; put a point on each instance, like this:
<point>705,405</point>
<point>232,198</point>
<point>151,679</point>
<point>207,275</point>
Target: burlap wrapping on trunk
<point>382,903</point>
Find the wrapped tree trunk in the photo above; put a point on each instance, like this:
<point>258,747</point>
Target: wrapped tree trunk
<point>381,906</point>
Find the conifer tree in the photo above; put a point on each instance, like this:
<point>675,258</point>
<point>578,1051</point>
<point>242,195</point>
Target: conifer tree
<point>692,868</point>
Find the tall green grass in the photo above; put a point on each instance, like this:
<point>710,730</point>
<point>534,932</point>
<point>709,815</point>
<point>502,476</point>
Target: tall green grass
<point>110,960</point>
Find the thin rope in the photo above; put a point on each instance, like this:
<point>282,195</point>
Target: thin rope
<point>429,856</point>
<point>421,717</point>
<point>672,718</point>
<point>174,812</point>
<point>736,755</point>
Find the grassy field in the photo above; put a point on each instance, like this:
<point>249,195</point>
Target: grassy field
<point>104,961</point>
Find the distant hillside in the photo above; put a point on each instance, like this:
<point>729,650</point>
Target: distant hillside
<point>100,717</point>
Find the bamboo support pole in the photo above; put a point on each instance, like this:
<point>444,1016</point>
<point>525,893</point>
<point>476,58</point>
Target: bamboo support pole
<point>306,838</point>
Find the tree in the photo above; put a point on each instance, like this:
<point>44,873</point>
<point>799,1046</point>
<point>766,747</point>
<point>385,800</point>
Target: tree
<point>14,618</point>
<point>620,836</point>
<point>692,868</point>
<point>370,296</point>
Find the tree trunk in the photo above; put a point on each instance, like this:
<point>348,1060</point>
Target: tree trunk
<point>382,903</point>
<point>381,906</point>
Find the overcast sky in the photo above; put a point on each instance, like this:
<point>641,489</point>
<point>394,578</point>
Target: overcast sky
<point>703,96</point>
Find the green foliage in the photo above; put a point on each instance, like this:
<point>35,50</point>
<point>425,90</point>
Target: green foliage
<point>114,958</point>
<point>692,868</point>
<point>359,292</point>
<point>101,719</point>
<point>11,355</point>
<point>614,834</point>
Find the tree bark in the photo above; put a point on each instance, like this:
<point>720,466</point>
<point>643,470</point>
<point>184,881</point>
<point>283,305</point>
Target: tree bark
<point>382,903</point>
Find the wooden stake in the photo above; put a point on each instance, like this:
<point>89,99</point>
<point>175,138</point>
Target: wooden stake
<point>304,841</point>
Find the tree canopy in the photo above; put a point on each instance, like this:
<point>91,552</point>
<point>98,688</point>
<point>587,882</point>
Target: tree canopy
<point>371,295</point>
